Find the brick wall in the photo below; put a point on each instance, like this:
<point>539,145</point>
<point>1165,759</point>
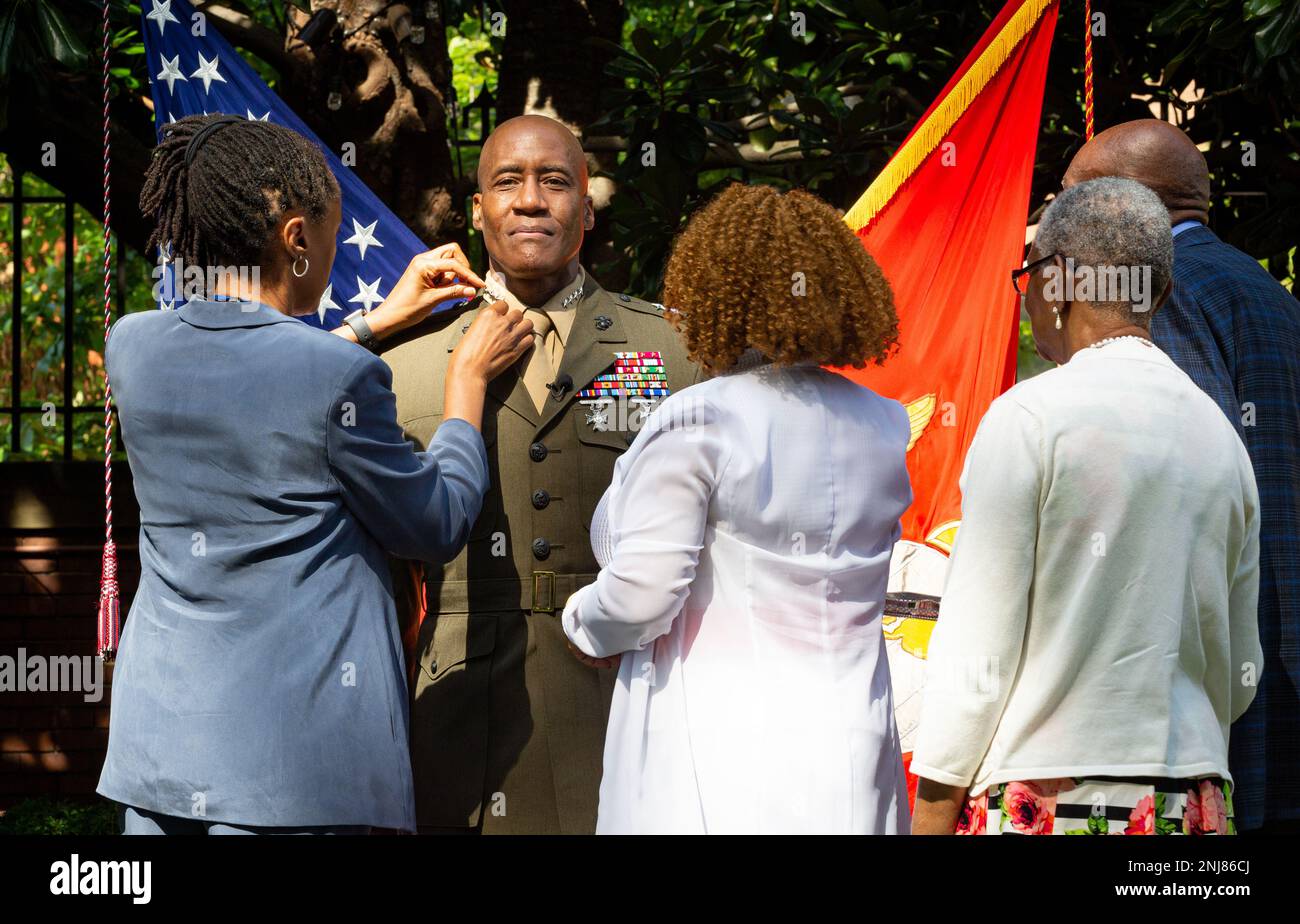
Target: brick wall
<point>51,535</point>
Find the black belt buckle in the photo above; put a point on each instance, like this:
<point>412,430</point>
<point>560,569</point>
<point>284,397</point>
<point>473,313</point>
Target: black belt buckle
<point>549,577</point>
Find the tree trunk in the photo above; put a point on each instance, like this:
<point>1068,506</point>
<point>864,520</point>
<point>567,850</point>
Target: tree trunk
<point>548,67</point>
<point>389,64</point>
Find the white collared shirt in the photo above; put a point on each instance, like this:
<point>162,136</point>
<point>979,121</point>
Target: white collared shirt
<point>560,307</point>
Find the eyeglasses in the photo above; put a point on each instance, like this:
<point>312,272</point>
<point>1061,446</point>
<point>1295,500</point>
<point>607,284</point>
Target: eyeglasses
<point>1022,289</point>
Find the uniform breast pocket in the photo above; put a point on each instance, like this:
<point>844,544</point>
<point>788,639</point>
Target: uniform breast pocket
<point>600,450</point>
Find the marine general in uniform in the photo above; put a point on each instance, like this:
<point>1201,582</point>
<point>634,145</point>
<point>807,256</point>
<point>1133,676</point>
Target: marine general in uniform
<point>507,724</point>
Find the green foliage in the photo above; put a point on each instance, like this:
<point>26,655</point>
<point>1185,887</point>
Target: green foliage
<point>44,815</point>
<point>821,94</point>
<point>43,302</point>
<point>809,94</point>
<point>794,95</point>
<point>803,95</point>
<point>475,54</point>
<point>824,92</point>
<point>1028,362</point>
<point>43,38</point>
<point>32,30</point>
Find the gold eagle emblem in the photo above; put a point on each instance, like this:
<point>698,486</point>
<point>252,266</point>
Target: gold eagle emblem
<point>919,414</point>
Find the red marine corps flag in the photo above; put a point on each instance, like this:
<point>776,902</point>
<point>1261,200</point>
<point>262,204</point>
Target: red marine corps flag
<point>945,220</point>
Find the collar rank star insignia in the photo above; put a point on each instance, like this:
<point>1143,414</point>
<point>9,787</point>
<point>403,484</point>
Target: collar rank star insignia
<point>572,297</point>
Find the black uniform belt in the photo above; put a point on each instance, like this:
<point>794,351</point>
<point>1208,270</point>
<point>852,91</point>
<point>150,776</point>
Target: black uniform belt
<point>541,592</point>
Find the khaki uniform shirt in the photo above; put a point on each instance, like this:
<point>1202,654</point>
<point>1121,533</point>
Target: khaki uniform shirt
<point>507,726</point>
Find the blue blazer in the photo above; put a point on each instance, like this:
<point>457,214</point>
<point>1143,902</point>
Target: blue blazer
<point>260,679</point>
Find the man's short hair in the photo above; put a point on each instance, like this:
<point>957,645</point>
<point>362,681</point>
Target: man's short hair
<point>1112,229</point>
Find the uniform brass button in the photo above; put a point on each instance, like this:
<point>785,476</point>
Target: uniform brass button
<point>541,499</point>
<point>537,452</point>
<point>541,549</point>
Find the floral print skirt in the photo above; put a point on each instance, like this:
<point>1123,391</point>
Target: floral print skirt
<point>1101,806</point>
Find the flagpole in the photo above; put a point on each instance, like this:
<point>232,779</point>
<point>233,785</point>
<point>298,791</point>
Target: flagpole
<point>109,612</point>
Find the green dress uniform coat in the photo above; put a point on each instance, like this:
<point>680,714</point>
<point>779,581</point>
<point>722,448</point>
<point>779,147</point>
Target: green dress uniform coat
<point>507,726</point>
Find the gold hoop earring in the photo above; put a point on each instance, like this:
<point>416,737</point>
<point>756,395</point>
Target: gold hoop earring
<point>307,265</point>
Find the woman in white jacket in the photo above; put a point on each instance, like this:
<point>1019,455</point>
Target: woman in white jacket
<point>1097,635</point>
<point>745,544</point>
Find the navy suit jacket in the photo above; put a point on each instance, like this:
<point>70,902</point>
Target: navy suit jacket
<point>1236,332</point>
<point>260,679</point>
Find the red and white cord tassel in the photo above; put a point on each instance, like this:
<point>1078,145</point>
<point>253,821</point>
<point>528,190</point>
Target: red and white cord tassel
<point>110,604</point>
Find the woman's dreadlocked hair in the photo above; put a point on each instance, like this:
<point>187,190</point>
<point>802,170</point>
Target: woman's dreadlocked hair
<point>223,208</point>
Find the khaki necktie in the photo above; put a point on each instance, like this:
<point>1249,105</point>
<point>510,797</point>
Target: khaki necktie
<point>539,373</point>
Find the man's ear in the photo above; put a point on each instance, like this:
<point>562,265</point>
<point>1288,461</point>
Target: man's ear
<point>588,214</point>
<point>475,220</point>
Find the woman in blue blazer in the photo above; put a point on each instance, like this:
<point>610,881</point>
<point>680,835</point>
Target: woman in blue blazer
<point>260,686</point>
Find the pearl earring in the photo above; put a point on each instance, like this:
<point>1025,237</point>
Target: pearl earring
<point>1057,312</point>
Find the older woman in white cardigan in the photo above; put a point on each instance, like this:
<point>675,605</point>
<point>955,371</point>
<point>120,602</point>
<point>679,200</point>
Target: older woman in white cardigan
<point>1097,634</point>
<point>749,533</point>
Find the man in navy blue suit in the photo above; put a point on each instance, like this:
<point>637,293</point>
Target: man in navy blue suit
<point>1236,332</point>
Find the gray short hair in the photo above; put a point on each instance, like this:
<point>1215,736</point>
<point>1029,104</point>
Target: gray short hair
<point>1111,224</point>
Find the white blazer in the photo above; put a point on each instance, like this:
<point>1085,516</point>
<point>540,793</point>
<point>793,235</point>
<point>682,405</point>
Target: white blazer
<point>751,525</point>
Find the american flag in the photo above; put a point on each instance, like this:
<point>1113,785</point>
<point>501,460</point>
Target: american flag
<point>204,75</point>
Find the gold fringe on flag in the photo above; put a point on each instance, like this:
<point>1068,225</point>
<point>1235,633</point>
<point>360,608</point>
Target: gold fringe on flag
<point>913,153</point>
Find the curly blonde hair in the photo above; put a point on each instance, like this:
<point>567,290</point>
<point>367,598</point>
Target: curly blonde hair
<point>780,273</point>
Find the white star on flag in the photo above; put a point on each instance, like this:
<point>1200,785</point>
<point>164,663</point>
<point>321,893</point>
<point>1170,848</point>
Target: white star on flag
<point>364,237</point>
<point>367,293</point>
<point>373,246</point>
<point>326,303</point>
<point>162,14</point>
<point>171,72</point>
<point>208,71</point>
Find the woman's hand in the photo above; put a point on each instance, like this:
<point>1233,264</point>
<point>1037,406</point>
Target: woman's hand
<point>491,345</point>
<point>431,278</point>
<point>611,661</point>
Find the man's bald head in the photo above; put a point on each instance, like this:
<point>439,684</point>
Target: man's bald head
<point>532,204</point>
<point>532,131</point>
<point>1157,155</point>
